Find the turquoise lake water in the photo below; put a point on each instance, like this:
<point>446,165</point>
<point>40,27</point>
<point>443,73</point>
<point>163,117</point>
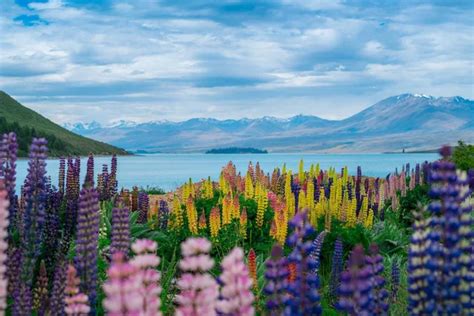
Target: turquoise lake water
<point>168,171</point>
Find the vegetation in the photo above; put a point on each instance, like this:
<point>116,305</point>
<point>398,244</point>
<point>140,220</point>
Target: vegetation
<point>27,124</point>
<point>237,150</point>
<point>463,156</point>
<point>290,243</point>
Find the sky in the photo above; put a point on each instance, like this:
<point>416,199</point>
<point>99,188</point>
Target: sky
<point>144,60</point>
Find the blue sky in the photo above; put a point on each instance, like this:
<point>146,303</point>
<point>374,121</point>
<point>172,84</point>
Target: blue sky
<point>142,60</point>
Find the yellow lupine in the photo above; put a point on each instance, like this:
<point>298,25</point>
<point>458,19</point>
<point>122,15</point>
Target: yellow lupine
<point>191,214</point>
<point>273,230</point>
<point>249,188</point>
<point>369,221</point>
<point>289,196</point>
<point>328,220</point>
<point>281,219</point>
<point>177,218</point>
<point>310,199</point>
<point>243,224</point>
<point>215,222</point>
<point>301,200</point>
<point>208,191</point>
<point>226,210</point>
<point>301,173</point>
<point>236,208</point>
<point>262,204</point>
<point>364,209</point>
<point>351,213</point>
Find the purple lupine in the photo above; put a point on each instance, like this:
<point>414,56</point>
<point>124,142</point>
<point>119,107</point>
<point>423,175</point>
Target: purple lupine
<point>379,301</point>
<point>303,298</point>
<point>395,280</point>
<point>163,214</point>
<point>356,285</point>
<point>103,183</point>
<point>89,180</point>
<point>143,207</point>
<point>14,275</point>
<point>447,269</point>
<point>120,230</point>
<point>336,268</point>
<point>276,275</point>
<point>52,236</point>
<point>316,252</point>
<point>88,222</point>
<point>34,216</point>
<point>72,196</point>
<point>56,305</point>
<point>112,180</point>
<point>61,175</point>
<point>9,152</point>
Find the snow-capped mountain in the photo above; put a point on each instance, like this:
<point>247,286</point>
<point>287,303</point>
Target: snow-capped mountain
<point>407,121</point>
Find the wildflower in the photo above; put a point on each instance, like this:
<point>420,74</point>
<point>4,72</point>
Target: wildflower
<point>198,289</point>
<point>4,203</point>
<point>120,230</point>
<point>276,275</point>
<point>75,301</point>
<point>236,295</point>
<point>336,268</point>
<point>252,265</point>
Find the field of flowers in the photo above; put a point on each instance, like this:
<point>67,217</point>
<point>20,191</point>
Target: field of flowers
<point>302,242</point>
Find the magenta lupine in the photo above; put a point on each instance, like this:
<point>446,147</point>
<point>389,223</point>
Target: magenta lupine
<point>88,223</point>
<point>276,275</point>
<point>236,292</point>
<point>146,261</point>
<point>76,303</point>
<point>198,289</point>
<point>122,288</point>
<point>4,203</point>
<point>120,231</point>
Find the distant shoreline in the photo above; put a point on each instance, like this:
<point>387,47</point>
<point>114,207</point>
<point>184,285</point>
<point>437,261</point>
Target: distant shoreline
<point>236,150</point>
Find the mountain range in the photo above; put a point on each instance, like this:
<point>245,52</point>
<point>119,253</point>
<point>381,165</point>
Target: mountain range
<point>410,122</point>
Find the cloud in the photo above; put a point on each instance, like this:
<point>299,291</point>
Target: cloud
<point>147,60</point>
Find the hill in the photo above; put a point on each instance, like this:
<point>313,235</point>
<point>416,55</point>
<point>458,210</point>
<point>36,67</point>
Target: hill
<point>409,121</point>
<point>27,123</point>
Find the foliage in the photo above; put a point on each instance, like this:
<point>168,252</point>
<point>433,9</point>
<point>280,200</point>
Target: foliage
<point>463,156</point>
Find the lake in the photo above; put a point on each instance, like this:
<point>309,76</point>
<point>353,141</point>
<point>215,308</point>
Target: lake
<point>168,171</point>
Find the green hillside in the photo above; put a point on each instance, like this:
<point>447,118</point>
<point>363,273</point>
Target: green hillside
<point>28,124</point>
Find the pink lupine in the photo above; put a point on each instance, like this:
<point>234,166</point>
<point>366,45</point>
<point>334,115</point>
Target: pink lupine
<point>146,261</point>
<point>75,301</point>
<point>122,288</point>
<point>4,202</point>
<point>198,289</point>
<point>236,293</point>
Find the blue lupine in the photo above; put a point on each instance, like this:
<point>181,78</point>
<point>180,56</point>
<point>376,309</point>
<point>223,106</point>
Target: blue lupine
<point>336,268</point>
<point>379,301</point>
<point>163,214</point>
<point>316,252</point>
<point>303,297</point>
<point>276,275</point>
<point>143,207</point>
<point>88,223</point>
<point>395,280</point>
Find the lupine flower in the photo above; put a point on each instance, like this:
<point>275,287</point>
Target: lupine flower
<point>441,267</point>
<point>198,289</point>
<point>88,223</point>
<point>4,203</point>
<point>9,152</point>
<point>143,205</point>
<point>75,301</point>
<point>146,262</point>
<point>56,303</point>
<point>395,280</point>
<point>61,175</point>
<point>163,214</point>
<point>122,288</point>
<point>243,224</point>
<point>89,180</point>
<point>303,298</point>
<point>378,302</point>
<point>336,268</point>
<point>316,252</point>
<point>202,221</point>
<point>34,216</point>
<point>112,179</point>
<point>135,194</point>
<point>40,295</point>
<point>252,265</point>
<point>276,275</point>
<point>191,215</point>
<point>236,295</point>
<point>355,290</point>
<point>214,222</point>
<point>120,230</point>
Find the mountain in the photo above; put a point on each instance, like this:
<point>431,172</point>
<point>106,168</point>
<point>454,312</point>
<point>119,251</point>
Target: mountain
<point>408,121</point>
<point>27,124</point>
